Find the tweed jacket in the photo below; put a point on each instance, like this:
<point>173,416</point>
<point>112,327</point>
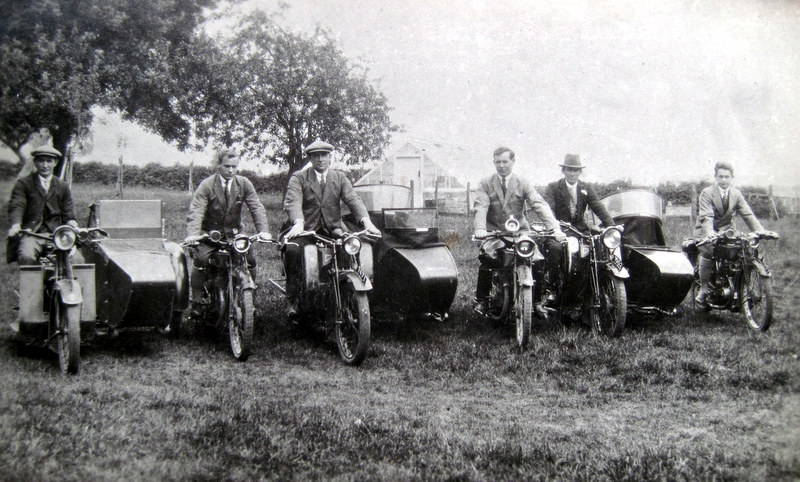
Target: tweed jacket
<point>37,210</point>
<point>558,196</point>
<point>210,211</point>
<point>492,208</point>
<point>711,218</point>
<point>317,208</point>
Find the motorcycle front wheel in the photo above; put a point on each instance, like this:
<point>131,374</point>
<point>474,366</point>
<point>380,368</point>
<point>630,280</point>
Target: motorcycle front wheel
<point>756,296</point>
<point>353,325</point>
<point>240,323</point>
<point>609,312</point>
<point>523,309</point>
<point>67,320</point>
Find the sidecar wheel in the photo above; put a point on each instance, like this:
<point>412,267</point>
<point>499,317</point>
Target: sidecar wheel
<point>353,329</point>
<point>240,324</point>
<point>523,312</point>
<point>608,318</point>
<point>68,322</point>
<point>756,299</point>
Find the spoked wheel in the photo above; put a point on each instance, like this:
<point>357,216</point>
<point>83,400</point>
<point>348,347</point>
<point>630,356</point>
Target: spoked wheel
<point>67,320</point>
<point>756,299</point>
<point>523,310</point>
<point>353,329</point>
<point>503,296</point>
<point>240,323</point>
<point>608,318</point>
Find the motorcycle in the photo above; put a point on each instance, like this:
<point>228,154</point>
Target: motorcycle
<point>336,281</point>
<point>227,298</point>
<point>52,306</point>
<point>592,280</point>
<point>741,281</point>
<point>511,255</point>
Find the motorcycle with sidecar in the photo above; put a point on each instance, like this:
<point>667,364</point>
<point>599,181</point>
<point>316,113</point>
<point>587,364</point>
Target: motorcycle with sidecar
<point>132,279</point>
<point>336,279</point>
<point>741,281</point>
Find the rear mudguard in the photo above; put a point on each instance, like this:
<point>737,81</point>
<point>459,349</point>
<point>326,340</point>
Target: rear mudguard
<point>359,283</point>
<point>70,291</point>
<point>524,275</point>
<point>762,268</point>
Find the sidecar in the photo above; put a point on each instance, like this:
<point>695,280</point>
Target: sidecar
<point>414,272</point>
<point>141,279</point>
<point>660,277</point>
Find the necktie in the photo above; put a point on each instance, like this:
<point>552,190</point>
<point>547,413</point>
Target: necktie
<point>322,182</point>
<point>228,191</point>
<point>725,201</point>
<point>573,202</point>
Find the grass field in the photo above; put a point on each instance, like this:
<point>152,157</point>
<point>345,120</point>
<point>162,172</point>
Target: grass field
<point>684,398</point>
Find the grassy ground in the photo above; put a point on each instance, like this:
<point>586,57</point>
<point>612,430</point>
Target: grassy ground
<point>687,398</point>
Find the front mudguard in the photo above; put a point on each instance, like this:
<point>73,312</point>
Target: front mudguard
<point>245,280</point>
<point>762,268</point>
<point>359,283</point>
<point>70,291</point>
<point>524,275</point>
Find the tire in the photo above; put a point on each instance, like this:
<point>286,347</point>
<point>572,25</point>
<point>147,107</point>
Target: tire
<point>757,301</point>
<point>523,310</point>
<point>68,323</point>
<point>240,323</point>
<point>609,317</point>
<point>353,329</point>
<point>175,324</point>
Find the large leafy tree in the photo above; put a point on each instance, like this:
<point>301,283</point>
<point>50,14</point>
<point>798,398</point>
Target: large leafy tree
<point>284,90</point>
<point>60,58</point>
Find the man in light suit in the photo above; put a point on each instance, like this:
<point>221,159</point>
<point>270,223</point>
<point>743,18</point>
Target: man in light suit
<point>40,202</point>
<point>313,203</point>
<point>715,209</point>
<point>217,206</point>
<point>497,198</point>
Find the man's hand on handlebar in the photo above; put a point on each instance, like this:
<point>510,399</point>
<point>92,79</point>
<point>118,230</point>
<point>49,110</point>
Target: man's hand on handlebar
<point>481,233</point>
<point>264,236</point>
<point>193,239</point>
<point>297,228</point>
<point>14,230</point>
<point>371,228</point>
<point>559,235</point>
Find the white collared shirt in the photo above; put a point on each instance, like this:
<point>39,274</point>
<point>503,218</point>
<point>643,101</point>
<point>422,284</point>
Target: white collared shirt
<point>573,191</point>
<point>321,176</point>
<point>46,182</point>
<point>723,192</point>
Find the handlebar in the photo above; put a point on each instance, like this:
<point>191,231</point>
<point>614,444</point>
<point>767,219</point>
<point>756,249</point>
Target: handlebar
<point>224,241</point>
<point>325,239</point>
<point>731,235</point>
<point>82,233</point>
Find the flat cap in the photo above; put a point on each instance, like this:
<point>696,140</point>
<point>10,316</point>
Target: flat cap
<point>318,146</point>
<point>572,160</point>
<point>46,151</point>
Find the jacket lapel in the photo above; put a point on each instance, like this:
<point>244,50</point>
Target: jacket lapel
<point>511,185</point>
<point>717,197</point>
<point>234,194</point>
<point>37,183</point>
<point>498,189</point>
<point>312,179</point>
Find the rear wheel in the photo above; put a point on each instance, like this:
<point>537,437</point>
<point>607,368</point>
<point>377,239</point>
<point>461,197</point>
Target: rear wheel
<point>68,324</point>
<point>353,326</point>
<point>240,323</point>
<point>608,316</point>
<point>756,299</point>
<point>522,313</point>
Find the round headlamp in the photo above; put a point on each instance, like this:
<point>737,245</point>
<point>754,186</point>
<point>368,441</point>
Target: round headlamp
<point>612,238</point>
<point>525,247</point>
<point>573,245</point>
<point>241,243</point>
<point>352,245</point>
<point>512,225</point>
<point>64,238</point>
<point>754,240</point>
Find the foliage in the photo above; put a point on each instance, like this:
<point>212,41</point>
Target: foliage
<point>291,89</point>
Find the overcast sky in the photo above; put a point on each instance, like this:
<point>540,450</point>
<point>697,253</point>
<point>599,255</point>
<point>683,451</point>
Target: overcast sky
<point>646,90</point>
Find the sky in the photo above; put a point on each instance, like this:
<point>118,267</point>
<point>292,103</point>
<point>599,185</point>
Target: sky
<point>646,90</point>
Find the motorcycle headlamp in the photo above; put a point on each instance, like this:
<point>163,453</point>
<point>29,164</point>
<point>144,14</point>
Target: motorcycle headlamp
<point>241,243</point>
<point>754,240</point>
<point>573,245</point>
<point>512,225</point>
<point>64,238</point>
<point>215,236</point>
<point>525,247</point>
<point>352,245</point>
<point>612,238</point>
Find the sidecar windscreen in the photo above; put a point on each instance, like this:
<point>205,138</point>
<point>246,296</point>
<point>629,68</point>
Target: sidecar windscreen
<point>415,226</point>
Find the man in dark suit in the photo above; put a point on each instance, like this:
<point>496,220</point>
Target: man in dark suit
<point>498,197</point>
<point>569,197</point>
<point>217,206</point>
<point>313,203</point>
<point>715,209</point>
<point>40,202</point>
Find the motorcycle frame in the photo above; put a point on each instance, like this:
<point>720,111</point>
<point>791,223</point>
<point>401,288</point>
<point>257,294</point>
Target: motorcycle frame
<point>749,259</point>
<point>223,277</point>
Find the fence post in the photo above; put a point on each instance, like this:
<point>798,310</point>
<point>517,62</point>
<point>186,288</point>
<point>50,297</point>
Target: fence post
<point>411,183</point>
<point>120,179</point>
<point>772,203</point>
<point>694,209</point>
<point>191,181</point>
<point>469,205</point>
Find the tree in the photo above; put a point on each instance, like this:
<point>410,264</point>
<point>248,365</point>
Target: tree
<point>288,89</point>
<point>59,58</point>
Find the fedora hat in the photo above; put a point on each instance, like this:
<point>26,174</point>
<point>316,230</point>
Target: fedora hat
<point>318,146</point>
<point>46,151</point>
<point>572,160</point>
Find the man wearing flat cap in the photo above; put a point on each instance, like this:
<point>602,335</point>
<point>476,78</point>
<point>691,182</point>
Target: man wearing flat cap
<point>313,203</point>
<point>569,197</point>
<point>40,202</point>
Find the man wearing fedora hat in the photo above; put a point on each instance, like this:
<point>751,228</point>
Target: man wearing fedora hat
<point>569,197</point>
<point>498,197</point>
<point>40,202</point>
<point>313,203</point>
